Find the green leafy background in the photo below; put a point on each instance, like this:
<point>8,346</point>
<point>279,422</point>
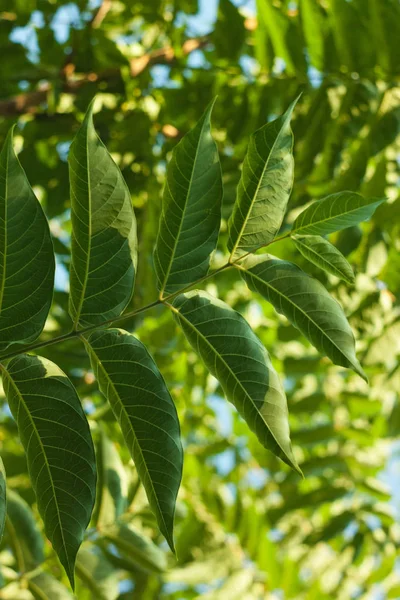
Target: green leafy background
<point>246,526</point>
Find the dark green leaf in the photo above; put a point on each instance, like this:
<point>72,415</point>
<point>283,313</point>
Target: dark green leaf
<point>236,357</point>
<point>26,255</point>
<point>130,380</point>
<point>264,187</point>
<point>324,255</point>
<point>335,212</point>
<point>104,244</point>
<point>306,303</point>
<point>190,220</point>
<point>55,435</point>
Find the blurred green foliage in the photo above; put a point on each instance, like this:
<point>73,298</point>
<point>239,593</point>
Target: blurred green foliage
<point>246,527</point>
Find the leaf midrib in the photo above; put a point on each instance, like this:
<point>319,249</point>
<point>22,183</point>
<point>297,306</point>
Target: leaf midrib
<point>84,283</point>
<point>295,306</point>
<point>175,246</point>
<point>3,278</point>
<point>180,315</point>
<point>111,383</point>
<point>235,247</point>
<point>331,218</point>
<point>47,465</point>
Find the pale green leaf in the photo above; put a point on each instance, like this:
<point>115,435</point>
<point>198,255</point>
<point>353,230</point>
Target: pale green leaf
<point>59,449</point>
<point>44,586</point>
<point>306,303</point>
<point>237,358</point>
<point>26,255</point>
<point>324,255</point>
<point>264,187</point>
<point>130,380</point>
<point>112,484</point>
<point>23,533</point>
<point>3,498</point>
<point>137,549</point>
<point>97,573</point>
<point>191,214</point>
<point>335,212</point>
<point>104,244</point>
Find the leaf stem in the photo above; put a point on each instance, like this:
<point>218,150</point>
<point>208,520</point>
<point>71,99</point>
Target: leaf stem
<point>165,301</point>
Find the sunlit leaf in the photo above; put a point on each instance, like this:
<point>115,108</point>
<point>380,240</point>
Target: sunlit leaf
<point>104,245</point>
<point>335,212</point>
<point>130,380</point>
<point>191,215</point>
<point>137,548</point>
<point>112,483</point>
<point>23,533</point>
<point>44,586</point>
<point>26,255</point>
<point>59,449</point>
<point>264,187</point>
<point>325,256</point>
<point>97,573</point>
<point>306,303</point>
<point>236,357</point>
<point>3,498</point>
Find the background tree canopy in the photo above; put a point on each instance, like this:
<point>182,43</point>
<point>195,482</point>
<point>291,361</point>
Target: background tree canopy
<point>247,526</point>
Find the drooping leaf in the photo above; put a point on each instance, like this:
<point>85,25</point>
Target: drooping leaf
<point>335,212</point>
<point>104,244</point>
<point>314,32</point>
<point>23,533</point>
<point>236,357</point>
<point>112,484</point>
<point>264,188</point>
<point>276,24</point>
<point>229,19</point>
<point>324,255</point>
<point>191,215</point>
<point>130,380</point>
<point>306,303</point>
<point>97,573</point>
<point>44,586</point>
<point>59,449</point>
<point>26,255</point>
<point>3,498</point>
<point>137,548</point>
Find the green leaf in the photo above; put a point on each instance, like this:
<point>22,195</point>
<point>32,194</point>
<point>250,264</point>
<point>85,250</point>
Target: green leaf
<point>306,303</point>
<point>137,549</point>
<point>191,215</point>
<point>3,498</point>
<point>44,586</point>
<point>112,484</point>
<point>264,187</point>
<point>335,212</point>
<point>237,358</point>
<point>59,449</point>
<point>314,32</point>
<point>229,19</point>
<point>324,255</point>
<point>23,533</point>
<point>26,255</point>
<point>104,244</point>
<point>97,573</point>
<point>130,380</point>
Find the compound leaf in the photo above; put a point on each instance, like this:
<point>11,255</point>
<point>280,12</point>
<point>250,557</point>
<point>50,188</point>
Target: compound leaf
<point>59,449</point>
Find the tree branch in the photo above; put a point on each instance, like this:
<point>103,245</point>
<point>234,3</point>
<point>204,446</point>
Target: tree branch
<point>29,102</point>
